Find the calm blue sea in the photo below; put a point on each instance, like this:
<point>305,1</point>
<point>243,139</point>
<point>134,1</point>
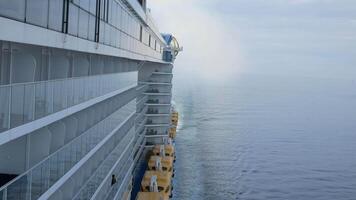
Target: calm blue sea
<point>266,137</point>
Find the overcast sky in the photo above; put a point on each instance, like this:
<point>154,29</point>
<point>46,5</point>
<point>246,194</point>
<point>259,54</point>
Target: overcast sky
<point>287,37</point>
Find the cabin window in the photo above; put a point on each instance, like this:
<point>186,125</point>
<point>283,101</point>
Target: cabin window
<point>149,40</point>
<point>36,12</point>
<point>14,9</point>
<point>73,19</point>
<point>55,15</point>
<point>83,24</point>
<point>140,33</point>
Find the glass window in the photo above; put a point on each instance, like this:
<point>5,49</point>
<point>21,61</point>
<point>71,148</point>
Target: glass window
<point>113,36</point>
<point>4,108</point>
<point>84,4</point>
<point>42,66</point>
<point>91,32</point>
<point>40,102</point>
<point>17,105</point>
<point>119,17</point>
<point>55,14</point>
<point>29,104</point>
<point>140,33</point>
<point>113,14</point>
<point>118,35</point>
<point>81,65</point>
<point>59,65</point>
<point>97,65</point>
<point>107,34</point>
<point>60,96</point>
<point>49,97</point>
<point>102,31</point>
<point>110,11</point>
<point>83,24</point>
<point>13,9</point>
<point>92,6</point>
<point>76,2</point>
<point>37,12</point>
<point>102,9</point>
<point>73,19</point>
<point>23,65</point>
<point>4,65</point>
<point>69,89</point>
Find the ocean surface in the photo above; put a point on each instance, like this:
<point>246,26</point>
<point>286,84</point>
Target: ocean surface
<point>266,137</point>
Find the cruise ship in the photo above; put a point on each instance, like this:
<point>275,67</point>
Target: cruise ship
<point>85,92</point>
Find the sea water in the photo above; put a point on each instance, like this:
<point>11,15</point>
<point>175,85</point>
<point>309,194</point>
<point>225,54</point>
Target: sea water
<point>266,137</point>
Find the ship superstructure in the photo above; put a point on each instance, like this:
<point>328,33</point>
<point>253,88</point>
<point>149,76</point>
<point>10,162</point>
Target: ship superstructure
<point>85,89</point>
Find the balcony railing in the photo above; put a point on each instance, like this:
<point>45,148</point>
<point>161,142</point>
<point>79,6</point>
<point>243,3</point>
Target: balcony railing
<point>42,176</point>
<point>121,153</point>
<point>26,102</point>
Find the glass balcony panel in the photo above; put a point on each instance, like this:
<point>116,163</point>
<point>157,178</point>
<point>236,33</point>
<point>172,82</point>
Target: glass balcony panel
<point>39,181</point>
<point>19,189</point>
<point>4,108</point>
<point>40,101</point>
<point>32,101</point>
<point>29,102</point>
<point>17,105</point>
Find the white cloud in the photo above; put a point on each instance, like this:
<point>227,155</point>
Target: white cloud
<point>222,38</point>
<point>211,47</point>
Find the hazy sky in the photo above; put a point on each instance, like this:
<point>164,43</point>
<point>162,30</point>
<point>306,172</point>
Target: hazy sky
<point>294,37</point>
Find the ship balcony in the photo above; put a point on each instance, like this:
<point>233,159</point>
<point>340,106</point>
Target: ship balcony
<point>157,125</point>
<point>84,179</point>
<point>156,131</point>
<point>140,117</point>
<point>119,156</point>
<point>140,128</point>
<point>45,174</point>
<point>140,103</point>
<point>141,88</point>
<point>31,101</point>
<point>138,145</point>
<point>157,111</point>
<point>160,88</point>
<point>157,93</point>
<point>159,100</point>
<point>158,104</point>
<point>160,78</point>
<point>162,73</point>
<point>157,120</point>
<point>157,115</point>
<point>118,191</point>
<point>152,140</point>
<point>154,83</point>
